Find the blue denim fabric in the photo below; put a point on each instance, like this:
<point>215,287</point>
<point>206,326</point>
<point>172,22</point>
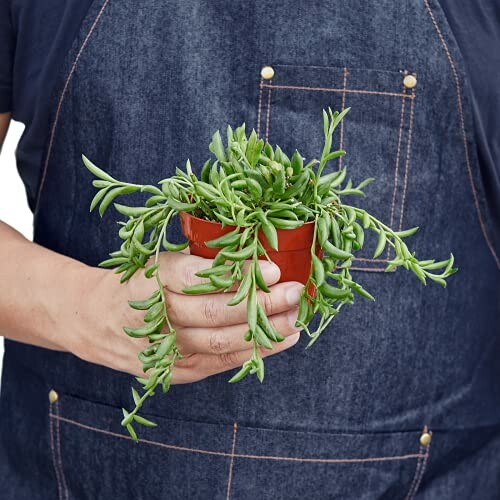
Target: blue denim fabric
<point>342,419</point>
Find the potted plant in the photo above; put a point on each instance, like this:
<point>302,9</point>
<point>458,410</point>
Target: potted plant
<point>250,202</point>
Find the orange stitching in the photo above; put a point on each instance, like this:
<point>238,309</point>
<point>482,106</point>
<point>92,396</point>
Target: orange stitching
<point>242,455</point>
<point>422,470</point>
<point>259,111</point>
<point>268,118</point>
<point>369,269</point>
<point>61,100</point>
<point>396,171</point>
<point>145,441</point>
<point>407,163</point>
<point>53,453</point>
<point>341,140</point>
<point>235,430</point>
<point>415,476</point>
<point>464,135</point>
<point>348,91</point>
<point>371,260</point>
<point>332,460</point>
<point>59,457</point>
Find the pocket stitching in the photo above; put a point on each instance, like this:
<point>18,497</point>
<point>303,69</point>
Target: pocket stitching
<point>396,170</point>
<point>344,90</point>
<point>387,458</point>
<point>341,138</point>
<point>458,90</point>
<point>60,103</point>
<point>419,469</point>
<point>407,162</point>
<point>230,475</point>
<point>62,487</point>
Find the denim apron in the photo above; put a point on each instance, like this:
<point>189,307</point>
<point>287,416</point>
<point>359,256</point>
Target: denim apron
<point>399,399</point>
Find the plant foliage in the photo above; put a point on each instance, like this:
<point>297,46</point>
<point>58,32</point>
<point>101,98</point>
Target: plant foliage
<point>251,186</point>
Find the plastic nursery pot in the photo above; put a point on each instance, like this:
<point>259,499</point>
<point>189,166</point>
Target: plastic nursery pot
<point>293,257</point>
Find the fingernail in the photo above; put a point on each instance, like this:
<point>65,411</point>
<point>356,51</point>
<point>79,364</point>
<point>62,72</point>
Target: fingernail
<point>292,319</point>
<point>270,271</point>
<point>293,339</point>
<point>293,294</point>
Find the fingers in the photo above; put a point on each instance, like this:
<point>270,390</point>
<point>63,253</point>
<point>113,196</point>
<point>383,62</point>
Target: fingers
<point>210,311</point>
<point>200,366</point>
<point>178,270</point>
<point>230,338</point>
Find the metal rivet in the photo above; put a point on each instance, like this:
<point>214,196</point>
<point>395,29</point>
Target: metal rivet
<point>425,439</point>
<point>267,72</point>
<point>53,396</point>
<point>410,82</point>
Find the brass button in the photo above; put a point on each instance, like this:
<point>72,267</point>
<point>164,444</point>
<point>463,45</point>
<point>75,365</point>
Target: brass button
<point>410,82</point>
<point>425,439</point>
<point>53,396</point>
<point>267,72</point>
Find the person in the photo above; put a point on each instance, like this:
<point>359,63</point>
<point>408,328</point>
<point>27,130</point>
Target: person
<point>399,399</point>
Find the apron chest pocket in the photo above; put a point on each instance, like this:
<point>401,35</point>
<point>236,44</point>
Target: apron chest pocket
<point>376,133</point>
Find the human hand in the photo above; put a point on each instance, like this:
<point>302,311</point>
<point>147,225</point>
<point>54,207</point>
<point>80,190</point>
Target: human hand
<point>209,333</point>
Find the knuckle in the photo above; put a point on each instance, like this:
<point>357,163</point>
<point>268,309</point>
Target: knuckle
<point>217,343</point>
<point>211,311</point>
<point>228,359</point>
<point>189,362</point>
<point>268,303</point>
<point>188,277</point>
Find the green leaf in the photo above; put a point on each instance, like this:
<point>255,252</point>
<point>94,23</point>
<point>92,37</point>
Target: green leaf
<point>261,337</point>
<point>259,364</point>
<point>132,433</point>
<point>243,254</point>
<point>285,223</point>
<point>333,292</point>
<point>151,270</point>
<point>221,282</point>
<point>166,346</point>
<point>127,417</point>
<point>318,271</point>
<point>232,238</point>
<point>200,289</point>
<point>112,194</point>
<point>135,395</point>
<point>335,252</point>
<point>259,279</point>
<point>144,421</point>
<point>243,289</point>
<point>408,232</point>
<point>217,148</point>
<point>366,219</point>
<point>382,239</point>
<point>255,188</point>
<point>154,312</point>
<point>96,170</point>
<point>334,154</point>
<point>131,211</point>
<point>218,270</point>
<point>142,305</point>
<point>97,198</point>
<point>180,206</point>
<point>242,373</point>
<point>267,326</point>
<point>115,261</point>
<point>297,162</point>
<point>144,331</point>
<point>269,231</point>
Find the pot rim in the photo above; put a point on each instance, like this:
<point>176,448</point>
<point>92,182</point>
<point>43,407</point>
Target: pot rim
<point>187,214</point>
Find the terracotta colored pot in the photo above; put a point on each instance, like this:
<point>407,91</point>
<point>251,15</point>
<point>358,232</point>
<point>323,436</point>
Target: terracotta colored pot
<point>293,257</point>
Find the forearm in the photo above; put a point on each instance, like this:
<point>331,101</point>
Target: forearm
<point>38,288</point>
